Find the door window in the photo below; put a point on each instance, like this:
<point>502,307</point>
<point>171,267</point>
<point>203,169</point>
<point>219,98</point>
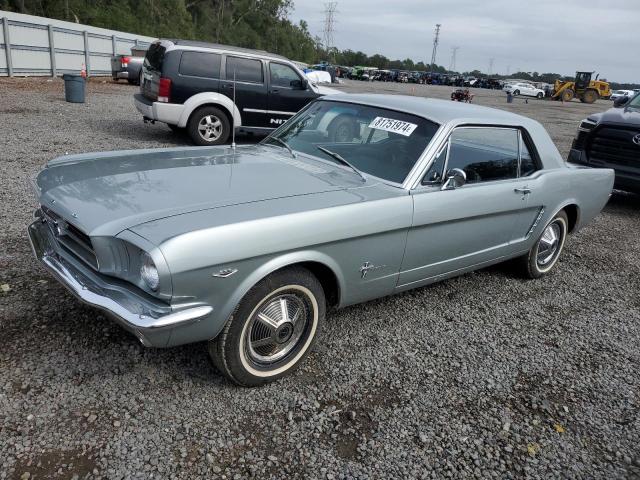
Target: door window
<point>484,154</point>
<point>283,75</point>
<point>200,64</point>
<point>245,69</point>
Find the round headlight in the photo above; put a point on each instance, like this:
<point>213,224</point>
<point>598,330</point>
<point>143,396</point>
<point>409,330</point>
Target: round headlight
<point>148,271</point>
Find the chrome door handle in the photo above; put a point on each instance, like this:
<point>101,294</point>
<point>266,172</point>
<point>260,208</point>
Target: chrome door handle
<point>523,191</point>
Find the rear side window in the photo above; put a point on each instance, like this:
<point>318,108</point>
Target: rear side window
<point>485,154</point>
<point>527,163</point>
<point>200,64</point>
<point>154,57</point>
<point>246,70</point>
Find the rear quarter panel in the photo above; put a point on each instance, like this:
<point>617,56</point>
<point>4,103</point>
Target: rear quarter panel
<point>591,188</point>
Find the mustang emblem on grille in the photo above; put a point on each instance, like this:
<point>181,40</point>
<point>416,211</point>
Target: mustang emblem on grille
<point>636,139</point>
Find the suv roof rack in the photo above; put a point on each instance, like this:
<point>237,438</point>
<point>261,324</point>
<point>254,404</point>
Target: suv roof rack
<point>194,43</point>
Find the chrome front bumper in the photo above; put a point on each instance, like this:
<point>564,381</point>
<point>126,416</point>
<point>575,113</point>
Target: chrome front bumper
<point>148,319</point>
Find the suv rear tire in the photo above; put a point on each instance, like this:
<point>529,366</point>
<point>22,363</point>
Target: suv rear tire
<point>209,126</point>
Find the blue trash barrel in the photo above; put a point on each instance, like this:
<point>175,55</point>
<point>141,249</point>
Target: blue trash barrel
<point>74,85</point>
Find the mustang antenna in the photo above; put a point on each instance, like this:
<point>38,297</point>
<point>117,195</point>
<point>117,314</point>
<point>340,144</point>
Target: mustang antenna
<point>233,122</point>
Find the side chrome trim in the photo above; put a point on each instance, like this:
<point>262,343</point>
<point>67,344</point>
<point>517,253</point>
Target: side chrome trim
<point>535,223</point>
<point>227,272</point>
<point>273,112</point>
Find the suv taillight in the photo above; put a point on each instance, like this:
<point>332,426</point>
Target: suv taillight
<point>125,61</point>
<point>164,90</point>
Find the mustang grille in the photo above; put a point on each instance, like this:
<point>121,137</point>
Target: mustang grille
<point>71,238</point>
<point>615,146</point>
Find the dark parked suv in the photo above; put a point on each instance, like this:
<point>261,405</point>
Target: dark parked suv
<point>612,139</point>
<point>191,85</point>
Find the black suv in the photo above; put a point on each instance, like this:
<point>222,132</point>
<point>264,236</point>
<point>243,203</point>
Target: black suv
<point>612,139</point>
<point>191,85</point>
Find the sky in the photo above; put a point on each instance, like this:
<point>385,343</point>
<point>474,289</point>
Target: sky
<point>561,36</point>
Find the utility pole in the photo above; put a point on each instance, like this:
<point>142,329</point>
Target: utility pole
<point>491,66</point>
<point>452,65</point>
<point>435,46</point>
<point>329,26</point>
<point>508,70</point>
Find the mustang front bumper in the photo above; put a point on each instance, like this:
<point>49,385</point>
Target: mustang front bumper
<point>148,319</point>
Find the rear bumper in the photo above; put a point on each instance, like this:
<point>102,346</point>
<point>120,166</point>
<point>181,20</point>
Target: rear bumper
<point>120,74</point>
<point>157,111</point>
<point>152,322</point>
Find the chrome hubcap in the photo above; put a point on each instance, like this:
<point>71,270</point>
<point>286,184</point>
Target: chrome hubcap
<point>210,128</point>
<point>548,244</point>
<point>278,327</point>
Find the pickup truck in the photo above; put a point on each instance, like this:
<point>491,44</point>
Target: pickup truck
<point>128,67</point>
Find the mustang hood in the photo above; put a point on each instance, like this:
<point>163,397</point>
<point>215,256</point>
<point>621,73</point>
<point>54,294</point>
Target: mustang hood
<point>105,193</point>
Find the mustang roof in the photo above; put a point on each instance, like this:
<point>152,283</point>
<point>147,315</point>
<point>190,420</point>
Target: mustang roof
<point>440,111</point>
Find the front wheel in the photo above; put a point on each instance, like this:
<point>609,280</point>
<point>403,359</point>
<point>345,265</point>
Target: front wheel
<point>540,95</point>
<point>209,126</point>
<point>272,329</point>
<point>545,252</point>
<point>516,93</point>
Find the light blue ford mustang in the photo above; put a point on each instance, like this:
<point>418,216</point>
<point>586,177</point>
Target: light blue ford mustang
<point>354,198</point>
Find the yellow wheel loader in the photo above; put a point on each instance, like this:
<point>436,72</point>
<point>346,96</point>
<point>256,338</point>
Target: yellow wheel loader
<point>582,88</point>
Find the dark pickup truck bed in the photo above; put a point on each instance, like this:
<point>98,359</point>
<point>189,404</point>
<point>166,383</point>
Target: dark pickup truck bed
<point>128,67</point>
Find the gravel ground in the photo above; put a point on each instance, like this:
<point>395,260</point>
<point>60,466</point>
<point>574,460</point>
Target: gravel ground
<point>485,375</point>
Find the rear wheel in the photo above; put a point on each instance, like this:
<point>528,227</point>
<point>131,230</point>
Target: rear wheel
<point>540,95</point>
<point>589,96</point>
<point>272,330</point>
<point>209,126</point>
<point>545,252</point>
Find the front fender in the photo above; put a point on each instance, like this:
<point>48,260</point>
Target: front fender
<point>209,98</point>
<point>277,263</point>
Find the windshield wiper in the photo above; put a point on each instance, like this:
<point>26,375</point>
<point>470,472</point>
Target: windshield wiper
<point>284,144</point>
<point>339,157</point>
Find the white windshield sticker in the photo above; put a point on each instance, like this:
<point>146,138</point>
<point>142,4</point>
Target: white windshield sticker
<point>393,126</point>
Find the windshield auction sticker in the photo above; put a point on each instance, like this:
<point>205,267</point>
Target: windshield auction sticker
<point>393,126</point>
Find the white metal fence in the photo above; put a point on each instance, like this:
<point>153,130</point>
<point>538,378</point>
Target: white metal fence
<point>31,45</point>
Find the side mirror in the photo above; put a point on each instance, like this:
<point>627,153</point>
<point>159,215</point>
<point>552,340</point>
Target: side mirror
<point>620,101</point>
<point>455,179</point>
<point>299,84</point>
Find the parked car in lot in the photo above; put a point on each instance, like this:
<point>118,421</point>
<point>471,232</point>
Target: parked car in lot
<point>128,67</point>
<point>523,89</point>
<point>621,93</point>
<point>355,198</point>
<point>191,85</point>
<point>612,139</point>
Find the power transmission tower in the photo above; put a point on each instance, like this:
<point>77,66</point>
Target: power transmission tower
<point>435,46</point>
<point>452,65</point>
<point>330,10</point>
<point>491,60</point>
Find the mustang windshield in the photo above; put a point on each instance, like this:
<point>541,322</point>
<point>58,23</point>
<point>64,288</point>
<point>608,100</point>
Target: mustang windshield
<point>377,141</point>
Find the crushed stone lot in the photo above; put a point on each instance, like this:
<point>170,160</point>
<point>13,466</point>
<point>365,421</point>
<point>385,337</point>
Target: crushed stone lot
<point>483,376</point>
